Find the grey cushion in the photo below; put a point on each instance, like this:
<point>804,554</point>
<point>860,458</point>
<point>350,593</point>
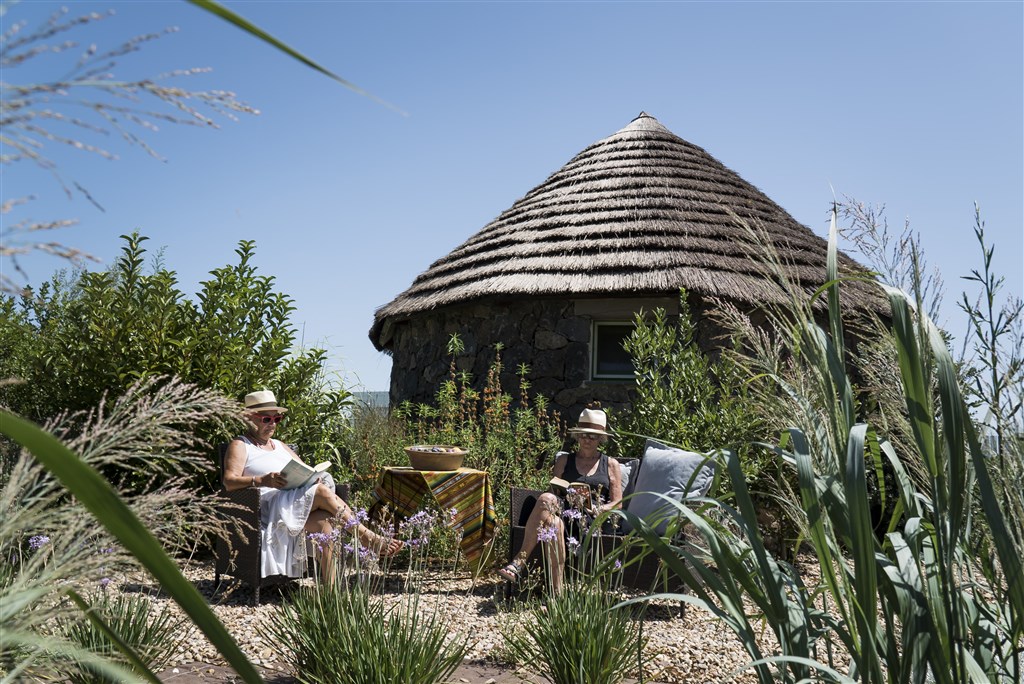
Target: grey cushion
<point>629,469</point>
<point>673,472</point>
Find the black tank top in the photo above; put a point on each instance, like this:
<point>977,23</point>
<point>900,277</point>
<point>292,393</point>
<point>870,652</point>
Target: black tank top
<point>599,483</point>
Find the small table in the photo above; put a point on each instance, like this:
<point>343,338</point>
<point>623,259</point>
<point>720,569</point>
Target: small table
<point>466,490</point>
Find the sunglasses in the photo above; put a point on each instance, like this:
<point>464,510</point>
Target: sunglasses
<point>267,420</point>
<point>584,435</point>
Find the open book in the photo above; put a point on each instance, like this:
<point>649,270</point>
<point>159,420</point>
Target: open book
<point>298,473</point>
<point>577,493</point>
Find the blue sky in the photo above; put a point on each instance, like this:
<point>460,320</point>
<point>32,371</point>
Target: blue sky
<point>918,106</point>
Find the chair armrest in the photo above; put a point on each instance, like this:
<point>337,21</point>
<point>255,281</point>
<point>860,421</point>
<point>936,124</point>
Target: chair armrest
<point>521,504</point>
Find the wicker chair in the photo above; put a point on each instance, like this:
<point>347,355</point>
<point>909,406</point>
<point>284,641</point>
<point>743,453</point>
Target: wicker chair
<point>640,571</point>
<point>641,574</point>
<point>238,555</point>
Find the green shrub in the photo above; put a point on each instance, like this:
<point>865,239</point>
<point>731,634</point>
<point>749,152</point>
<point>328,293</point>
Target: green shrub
<point>83,337</point>
<point>685,397</point>
<point>580,638</point>
<point>153,635</point>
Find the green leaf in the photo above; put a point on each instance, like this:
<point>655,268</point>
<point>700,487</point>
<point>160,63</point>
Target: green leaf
<point>227,15</point>
<point>104,628</point>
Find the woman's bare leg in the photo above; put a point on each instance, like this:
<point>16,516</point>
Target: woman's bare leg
<point>545,515</point>
<point>320,521</point>
<point>325,500</point>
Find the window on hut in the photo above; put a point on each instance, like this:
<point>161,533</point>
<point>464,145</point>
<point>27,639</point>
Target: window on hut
<point>609,361</point>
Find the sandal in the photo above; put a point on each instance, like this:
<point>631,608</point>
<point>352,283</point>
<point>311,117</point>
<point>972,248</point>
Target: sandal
<point>513,572</point>
<point>393,547</point>
<point>383,547</point>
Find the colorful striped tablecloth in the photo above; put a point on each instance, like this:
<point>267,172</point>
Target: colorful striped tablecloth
<point>466,490</point>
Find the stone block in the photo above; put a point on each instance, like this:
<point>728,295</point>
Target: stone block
<point>545,340</point>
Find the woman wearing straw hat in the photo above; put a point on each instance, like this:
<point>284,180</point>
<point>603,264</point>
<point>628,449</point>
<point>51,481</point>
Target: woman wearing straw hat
<point>587,465</point>
<point>256,459</point>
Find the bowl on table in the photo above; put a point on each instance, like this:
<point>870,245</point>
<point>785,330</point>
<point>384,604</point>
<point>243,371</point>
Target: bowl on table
<point>435,456</point>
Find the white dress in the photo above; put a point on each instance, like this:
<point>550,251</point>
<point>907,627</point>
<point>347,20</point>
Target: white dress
<point>283,512</point>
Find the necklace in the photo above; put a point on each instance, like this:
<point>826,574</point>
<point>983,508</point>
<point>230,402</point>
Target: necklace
<point>258,443</point>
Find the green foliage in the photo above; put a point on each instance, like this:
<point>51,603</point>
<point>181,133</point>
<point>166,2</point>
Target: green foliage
<point>348,636</point>
<point>153,635</point>
<point>77,340</point>
<point>685,397</point>
<point>581,638</point>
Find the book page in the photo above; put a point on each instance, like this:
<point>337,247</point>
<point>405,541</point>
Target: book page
<point>298,473</point>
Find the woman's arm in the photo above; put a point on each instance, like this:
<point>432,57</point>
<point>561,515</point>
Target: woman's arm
<point>234,466</point>
<point>559,466</point>
<point>614,487</point>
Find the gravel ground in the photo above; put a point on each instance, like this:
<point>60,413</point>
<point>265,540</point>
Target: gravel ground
<point>694,647</point>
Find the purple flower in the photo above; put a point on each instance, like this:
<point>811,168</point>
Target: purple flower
<point>321,539</point>
<point>104,582</point>
<point>546,534</point>
<point>572,514</point>
<point>573,542</point>
<point>37,542</point>
<point>109,549</point>
<point>618,565</point>
<point>422,520</point>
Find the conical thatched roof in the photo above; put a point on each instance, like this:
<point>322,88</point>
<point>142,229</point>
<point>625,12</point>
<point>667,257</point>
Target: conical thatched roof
<point>640,213</point>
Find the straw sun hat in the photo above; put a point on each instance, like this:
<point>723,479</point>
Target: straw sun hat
<point>592,421</point>
<point>262,401</point>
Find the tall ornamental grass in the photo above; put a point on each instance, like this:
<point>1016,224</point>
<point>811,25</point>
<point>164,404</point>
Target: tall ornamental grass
<point>918,602</point>
<point>64,529</point>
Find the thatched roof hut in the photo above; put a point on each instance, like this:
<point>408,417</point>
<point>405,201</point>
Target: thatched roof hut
<point>638,214</point>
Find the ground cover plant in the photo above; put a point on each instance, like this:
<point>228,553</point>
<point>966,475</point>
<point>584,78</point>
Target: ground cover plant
<point>923,601</point>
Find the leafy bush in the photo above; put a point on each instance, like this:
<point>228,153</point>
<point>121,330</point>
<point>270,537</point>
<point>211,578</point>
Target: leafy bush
<point>685,397</point>
<point>92,335</point>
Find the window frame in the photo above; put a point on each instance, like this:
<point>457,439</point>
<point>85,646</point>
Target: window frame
<point>595,350</point>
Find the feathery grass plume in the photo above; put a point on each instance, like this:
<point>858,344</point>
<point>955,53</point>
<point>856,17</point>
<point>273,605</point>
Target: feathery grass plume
<point>148,430</point>
<point>81,104</point>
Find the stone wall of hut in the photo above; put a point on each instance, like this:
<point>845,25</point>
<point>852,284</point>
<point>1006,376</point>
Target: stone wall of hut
<point>549,336</point>
<point>546,335</point>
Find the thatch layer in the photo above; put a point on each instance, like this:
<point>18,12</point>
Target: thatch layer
<point>640,213</point>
